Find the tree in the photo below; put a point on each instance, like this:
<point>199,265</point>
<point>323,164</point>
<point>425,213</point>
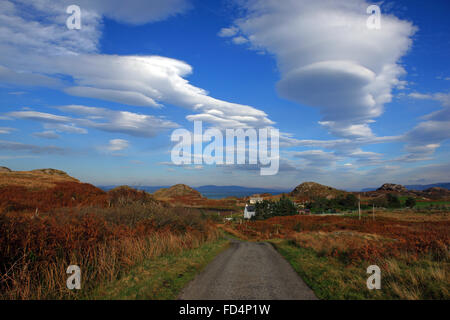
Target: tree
<point>285,207</point>
<point>410,202</point>
<point>350,201</point>
<point>393,201</point>
<point>266,208</point>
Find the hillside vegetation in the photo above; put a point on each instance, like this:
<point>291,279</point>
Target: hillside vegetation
<point>36,179</point>
<point>60,222</point>
<point>311,190</point>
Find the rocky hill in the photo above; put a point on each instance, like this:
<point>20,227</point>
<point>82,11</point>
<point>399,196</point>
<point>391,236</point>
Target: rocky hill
<point>177,191</point>
<point>436,193</point>
<point>311,190</point>
<point>392,187</point>
<point>35,179</point>
<point>433,193</point>
<point>44,190</point>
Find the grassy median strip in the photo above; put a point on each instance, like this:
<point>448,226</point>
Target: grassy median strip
<point>161,278</point>
<point>330,278</point>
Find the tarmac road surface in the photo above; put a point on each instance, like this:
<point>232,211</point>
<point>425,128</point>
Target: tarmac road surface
<point>248,271</point>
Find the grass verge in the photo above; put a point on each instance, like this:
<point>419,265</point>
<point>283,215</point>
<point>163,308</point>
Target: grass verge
<point>161,278</point>
<point>330,278</point>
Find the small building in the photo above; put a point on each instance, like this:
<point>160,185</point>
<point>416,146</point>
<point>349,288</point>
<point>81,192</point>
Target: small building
<point>254,200</point>
<point>249,211</point>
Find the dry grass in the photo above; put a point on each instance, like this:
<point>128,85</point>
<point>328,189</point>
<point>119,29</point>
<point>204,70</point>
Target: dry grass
<point>104,242</point>
<point>412,216</point>
<point>36,180</point>
<point>107,263</point>
<point>332,252</point>
<point>330,242</point>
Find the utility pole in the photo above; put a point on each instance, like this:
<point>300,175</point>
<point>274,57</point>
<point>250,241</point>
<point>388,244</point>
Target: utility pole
<point>359,206</point>
<point>373,211</point>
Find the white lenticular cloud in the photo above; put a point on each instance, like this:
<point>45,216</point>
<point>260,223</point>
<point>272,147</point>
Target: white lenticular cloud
<point>39,50</point>
<point>329,59</point>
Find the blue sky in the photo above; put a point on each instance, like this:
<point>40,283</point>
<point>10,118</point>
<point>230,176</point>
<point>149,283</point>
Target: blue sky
<point>355,107</point>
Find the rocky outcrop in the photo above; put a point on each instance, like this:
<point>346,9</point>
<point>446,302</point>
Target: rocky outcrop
<point>311,190</point>
<point>5,169</point>
<point>392,187</point>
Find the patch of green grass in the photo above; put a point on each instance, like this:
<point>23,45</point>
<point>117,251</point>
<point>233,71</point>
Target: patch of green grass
<point>422,204</point>
<point>328,278</point>
<point>331,278</point>
<point>161,278</point>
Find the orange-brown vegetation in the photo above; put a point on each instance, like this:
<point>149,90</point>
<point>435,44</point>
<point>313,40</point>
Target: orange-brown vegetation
<point>356,240</point>
<point>35,179</point>
<point>62,194</point>
<point>104,242</point>
<point>311,190</point>
<point>45,229</point>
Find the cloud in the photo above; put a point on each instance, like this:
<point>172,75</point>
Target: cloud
<point>428,135</point>
<point>120,96</point>
<point>67,128</point>
<point>47,135</point>
<point>26,79</point>
<point>22,147</point>
<point>239,40</point>
<point>228,32</point>
<point>136,12</point>
<point>17,93</point>
<point>150,80</point>
<point>117,145</point>
<point>133,124</point>
<point>329,59</point>
<point>37,43</point>
<point>317,158</point>
<point>6,130</point>
<point>38,116</point>
<point>443,98</point>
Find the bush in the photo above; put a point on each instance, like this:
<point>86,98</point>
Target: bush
<point>410,202</point>
<point>393,201</point>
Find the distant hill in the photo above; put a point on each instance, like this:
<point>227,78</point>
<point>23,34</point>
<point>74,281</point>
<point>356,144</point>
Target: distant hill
<point>419,187</point>
<point>36,179</point>
<point>311,190</point>
<point>178,190</point>
<point>445,185</point>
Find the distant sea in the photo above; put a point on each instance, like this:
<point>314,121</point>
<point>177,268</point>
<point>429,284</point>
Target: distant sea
<point>214,192</point>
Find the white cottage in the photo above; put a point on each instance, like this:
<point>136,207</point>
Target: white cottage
<point>249,211</point>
